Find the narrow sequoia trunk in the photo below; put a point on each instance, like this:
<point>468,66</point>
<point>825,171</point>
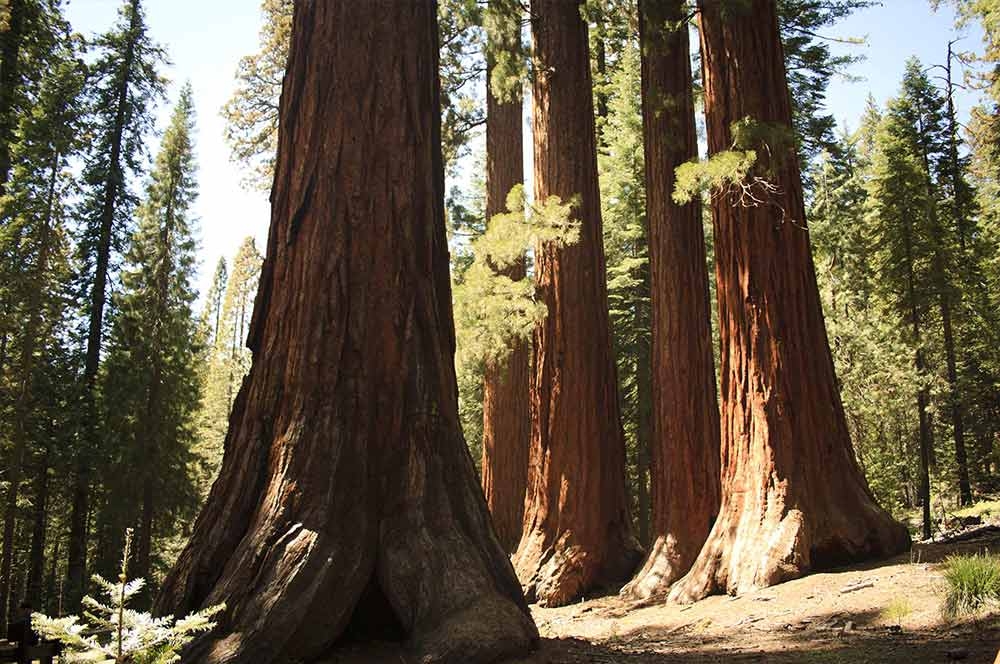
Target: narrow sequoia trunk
<point>347,501</point>
<point>506,423</point>
<point>76,570</point>
<point>793,496</point>
<point>685,449</point>
<point>577,528</point>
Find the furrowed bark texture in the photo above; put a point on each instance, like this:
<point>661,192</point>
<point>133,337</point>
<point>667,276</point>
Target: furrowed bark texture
<point>793,496</point>
<point>347,501</point>
<point>506,423</point>
<point>685,451</point>
<point>577,530</point>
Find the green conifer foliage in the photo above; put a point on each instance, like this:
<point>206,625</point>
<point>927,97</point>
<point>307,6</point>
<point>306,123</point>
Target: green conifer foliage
<point>226,359</point>
<point>151,378</point>
<point>35,275</point>
<point>623,200</point>
<point>252,112</point>
<point>124,87</point>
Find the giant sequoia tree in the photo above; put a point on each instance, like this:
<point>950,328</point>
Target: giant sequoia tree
<point>793,496</point>
<point>506,427</point>
<point>577,528</point>
<point>684,474</point>
<point>347,501</point>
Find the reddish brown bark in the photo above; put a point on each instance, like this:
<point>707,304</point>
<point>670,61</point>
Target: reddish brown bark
<point>793,496</point>
<point>685,451</point>
<point>347,502</point>
<point>577,529</point>
<point>506,423</point>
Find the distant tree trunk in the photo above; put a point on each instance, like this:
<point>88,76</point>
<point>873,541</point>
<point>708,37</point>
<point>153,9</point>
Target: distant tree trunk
<point>144,541</point>
<point>77,568</point>
<point>793,497</point>
<point>150,441</point>
<point>10,54</point>
<point>577,529</point>
<point>347,502</point>
<point>36,558</point>
<point>685,451</point>
<point>961,225</point>
<point>601,64</point>
<point>506,422</point>
<point>955,398</point>
<point>51,594</point>
<point>923,394</point>
<point>943,287</point>
<point>23,392</point>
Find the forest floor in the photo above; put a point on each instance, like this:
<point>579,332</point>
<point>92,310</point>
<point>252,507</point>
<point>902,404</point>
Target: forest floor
<point>893,616</point>
<point>886,612</point>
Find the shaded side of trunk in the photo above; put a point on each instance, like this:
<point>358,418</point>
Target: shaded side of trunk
<point>793,497</point>
<point>506,423</point>
<point>685,449</point>
<point>347,501</point>
<point>644,419</point>
<point>577,528</point>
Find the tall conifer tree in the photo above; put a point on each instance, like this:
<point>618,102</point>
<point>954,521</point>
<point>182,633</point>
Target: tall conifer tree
<point>125,87</point>
<point>151,379</point>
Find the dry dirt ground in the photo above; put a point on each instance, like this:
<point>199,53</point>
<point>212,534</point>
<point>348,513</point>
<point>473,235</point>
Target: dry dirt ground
<point>893,616</point>
<point>882,613</point>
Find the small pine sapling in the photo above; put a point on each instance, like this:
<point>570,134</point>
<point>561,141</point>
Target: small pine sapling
<point>111,633</point>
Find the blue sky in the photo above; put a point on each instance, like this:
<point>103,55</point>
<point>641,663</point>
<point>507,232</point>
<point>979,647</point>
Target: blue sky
<point>206,38</point>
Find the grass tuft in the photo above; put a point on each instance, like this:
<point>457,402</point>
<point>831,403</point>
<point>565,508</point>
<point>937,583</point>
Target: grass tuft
<point>973,584</point>
<point>897,611</point>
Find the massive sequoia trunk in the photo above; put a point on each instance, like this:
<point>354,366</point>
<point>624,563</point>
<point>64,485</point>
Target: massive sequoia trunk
<point>793,496</point>
<point>347,501</point>
<point>577,529</point>
<point>685,450</point>
<point>506,423</point>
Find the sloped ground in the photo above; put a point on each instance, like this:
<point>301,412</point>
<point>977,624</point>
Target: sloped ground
<point>881,613</point>
<point>888,612</point>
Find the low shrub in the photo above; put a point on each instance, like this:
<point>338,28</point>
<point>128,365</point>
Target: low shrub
<point>972,584</point>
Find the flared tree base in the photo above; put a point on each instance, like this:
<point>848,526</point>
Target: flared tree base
<point>559,573</point>
<point>752,549</point>
<point>664,565</point>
